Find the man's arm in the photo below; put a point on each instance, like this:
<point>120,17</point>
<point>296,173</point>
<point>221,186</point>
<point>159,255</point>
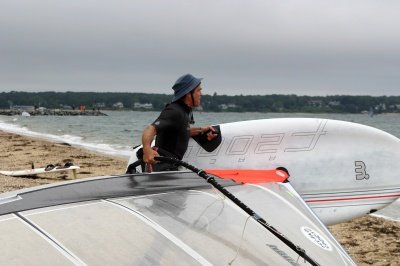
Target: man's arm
<point>147,138</point>
<point>209,130</point>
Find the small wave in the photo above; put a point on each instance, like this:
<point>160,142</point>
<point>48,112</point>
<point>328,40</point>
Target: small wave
<point>13,128</point>
<point>71,138</point>
<point>115,150</point>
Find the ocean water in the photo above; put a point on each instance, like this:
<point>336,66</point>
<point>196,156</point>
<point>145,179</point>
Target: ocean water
<point>118,132</point>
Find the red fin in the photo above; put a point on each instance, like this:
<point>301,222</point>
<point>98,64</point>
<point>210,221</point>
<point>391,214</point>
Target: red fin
<point>250,176</point>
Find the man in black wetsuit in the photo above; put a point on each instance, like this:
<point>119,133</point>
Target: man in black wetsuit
<point>172,128</point>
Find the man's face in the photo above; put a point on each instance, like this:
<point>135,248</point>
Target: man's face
<point>193,98</point>
<point>197,96</point>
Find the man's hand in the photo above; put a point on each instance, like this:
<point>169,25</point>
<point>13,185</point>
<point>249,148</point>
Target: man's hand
<point>149,154</point>
<point>210,131</point>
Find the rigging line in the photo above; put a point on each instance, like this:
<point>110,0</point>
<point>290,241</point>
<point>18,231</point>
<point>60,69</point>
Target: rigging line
<point>241,241</point>
<point>205,210</point>
<point>219,195</point>
<point>210,179</point>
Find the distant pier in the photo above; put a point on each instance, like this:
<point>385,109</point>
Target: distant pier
<point>55,112</point>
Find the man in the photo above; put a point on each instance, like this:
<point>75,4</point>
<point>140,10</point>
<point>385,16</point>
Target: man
<point>172,127</point>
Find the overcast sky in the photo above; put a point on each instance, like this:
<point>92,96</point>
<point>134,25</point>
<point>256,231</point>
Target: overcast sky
<point>303,47</point>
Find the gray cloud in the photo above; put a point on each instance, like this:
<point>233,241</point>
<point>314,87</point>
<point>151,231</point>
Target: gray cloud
<point>240,47</point>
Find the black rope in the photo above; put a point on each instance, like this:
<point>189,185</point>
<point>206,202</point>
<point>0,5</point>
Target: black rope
<point>210,179</point>
<point>132,167</point>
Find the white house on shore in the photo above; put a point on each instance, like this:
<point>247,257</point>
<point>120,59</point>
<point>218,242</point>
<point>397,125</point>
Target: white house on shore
<point>118,105</point>
<point>227,106</point>
<point>138,105</point>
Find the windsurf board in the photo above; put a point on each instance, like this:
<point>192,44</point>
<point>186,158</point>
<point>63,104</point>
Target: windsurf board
<point>44,170</point>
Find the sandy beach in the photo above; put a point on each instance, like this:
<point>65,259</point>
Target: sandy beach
<point>369,240</point>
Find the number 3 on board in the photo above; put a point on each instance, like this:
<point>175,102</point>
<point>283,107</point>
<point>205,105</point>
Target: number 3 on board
<point>361,170</point>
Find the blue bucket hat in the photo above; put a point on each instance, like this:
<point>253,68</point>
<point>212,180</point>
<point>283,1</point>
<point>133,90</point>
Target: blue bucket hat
<point>184,85</point>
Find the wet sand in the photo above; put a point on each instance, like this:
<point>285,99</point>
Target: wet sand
<point>369,240</point>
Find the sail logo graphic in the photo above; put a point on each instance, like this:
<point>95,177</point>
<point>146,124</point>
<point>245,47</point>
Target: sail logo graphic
<point>270,144</point>
<point>316,238</point>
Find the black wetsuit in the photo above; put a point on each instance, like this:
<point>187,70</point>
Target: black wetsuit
<point>173,130</point>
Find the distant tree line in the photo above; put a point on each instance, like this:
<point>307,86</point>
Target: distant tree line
<point>101,100</point>
<point>215,103</point>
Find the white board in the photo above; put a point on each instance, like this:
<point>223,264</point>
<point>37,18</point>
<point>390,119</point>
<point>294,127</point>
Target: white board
<point>341,169</point>
<point>36,171</point>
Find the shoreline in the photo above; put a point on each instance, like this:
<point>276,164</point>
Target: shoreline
<point>368,240</point>
<point>19,152</point>
<point>52,112</point>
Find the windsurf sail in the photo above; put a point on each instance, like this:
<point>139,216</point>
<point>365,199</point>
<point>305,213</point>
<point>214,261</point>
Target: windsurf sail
<point>159,218</point>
